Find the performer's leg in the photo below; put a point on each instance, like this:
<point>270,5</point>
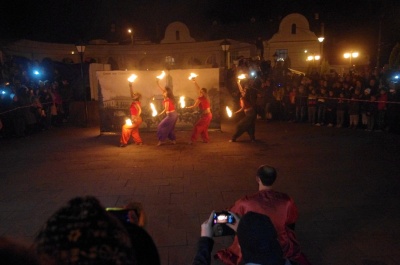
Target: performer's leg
<point>125,135</point>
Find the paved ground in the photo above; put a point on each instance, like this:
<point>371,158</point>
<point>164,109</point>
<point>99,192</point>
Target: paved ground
<point>345,183</point>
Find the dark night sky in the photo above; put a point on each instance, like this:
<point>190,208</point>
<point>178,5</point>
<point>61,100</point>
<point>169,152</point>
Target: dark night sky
<point>352,23</point>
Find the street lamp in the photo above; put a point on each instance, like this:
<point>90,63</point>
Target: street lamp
<point>81,50</point>
<point>321,49</point>
<point>349,55</point>
<point>130,31</point>
<point>313,58</point>
<point>225,47</point>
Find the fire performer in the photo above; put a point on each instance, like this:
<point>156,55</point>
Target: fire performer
<point>132,128</point>
<point>201,126</point>
<point>166,128</point>
<point>248,122</point>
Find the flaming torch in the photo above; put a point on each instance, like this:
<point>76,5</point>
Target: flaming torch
<point>153,108</point>
<point>161,76</point>
<point>128,122</point>
<point>192,76</point>
<point>132,78</point>
<point>228,111</point>
<point>242,76</point>
<point>182,101</point>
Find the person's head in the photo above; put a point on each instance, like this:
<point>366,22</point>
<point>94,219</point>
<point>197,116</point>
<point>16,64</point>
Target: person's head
<point>83,232</point>
<point>137,96</point>
<point>168,93</point>
<point>258,240</point>
<point>266,174</point>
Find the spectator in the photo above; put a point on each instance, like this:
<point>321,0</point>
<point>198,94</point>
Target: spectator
<point>341,108</point>
<point>370,113</point>
<point>321,107</point>
<point>312,106</point>
<point>354,110</point>
<point>257,238</point>
<point>331,103</point>
<point>279,207</point>
<point>84,233</point>
<point>301,104</point>
<point>380,120</point>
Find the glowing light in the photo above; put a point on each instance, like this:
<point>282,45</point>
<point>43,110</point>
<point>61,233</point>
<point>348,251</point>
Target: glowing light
<point>242,76</point>
<point>161,76</point>
<point>128,122</point>
<point>153,108</point>
<point>228,111</point>
<point>192,76</point>
<point>182,101</point>
<point>132,78</point>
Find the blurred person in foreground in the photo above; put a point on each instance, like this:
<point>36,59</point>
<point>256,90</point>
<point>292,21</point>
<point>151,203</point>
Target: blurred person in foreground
<point>83,232</point>
<point>257,238</point>
<point>276,205</point>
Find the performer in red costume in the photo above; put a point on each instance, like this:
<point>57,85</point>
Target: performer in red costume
<point>201,126</point>
<point>133,130</point>
<point>166,128</point>
<point>279,207</point>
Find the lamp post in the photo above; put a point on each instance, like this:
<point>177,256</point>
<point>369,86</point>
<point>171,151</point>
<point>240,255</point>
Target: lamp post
<point>313,58</point>
<point>321,48</point>
<point>81,50</point>
<point>349,55</point>
<point>225,47</point>
<point>130,31</point>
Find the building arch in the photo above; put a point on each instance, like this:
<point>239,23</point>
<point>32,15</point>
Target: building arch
<point>177,32</point>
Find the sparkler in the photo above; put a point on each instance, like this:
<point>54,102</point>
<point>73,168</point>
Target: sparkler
<point>228,111</point>
<point>192,76</point>
<point>242,76</point>
<point>128,122</point>
<point>182,101</point>
<point>132,78</point>
<point>161,76</point>
<point>153,108</point>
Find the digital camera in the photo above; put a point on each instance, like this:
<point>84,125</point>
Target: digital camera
<point>220,219</point>
<point>121,214</point>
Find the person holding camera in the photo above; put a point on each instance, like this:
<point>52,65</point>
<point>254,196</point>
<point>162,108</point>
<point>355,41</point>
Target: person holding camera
<point>201,126</point>
<point>278,206</point>
<point>256,233</point>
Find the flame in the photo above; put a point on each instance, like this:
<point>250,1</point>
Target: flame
<point>128,122</point>
<point>132,78</point>
<point>153,108</point>
<point>182,101</point>
<point>228,111</point>
<point>192,76</point>
<point>242,76</point>
<point>161,76</point>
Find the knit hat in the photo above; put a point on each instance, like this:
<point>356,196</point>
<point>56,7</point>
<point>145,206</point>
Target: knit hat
<point>83,233</point>
<point>258,240</point>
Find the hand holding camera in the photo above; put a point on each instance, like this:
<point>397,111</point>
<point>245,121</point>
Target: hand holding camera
<point>221,223</point>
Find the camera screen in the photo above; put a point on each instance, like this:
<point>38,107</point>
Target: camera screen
<point>121,214</point>
<point>223,218</point>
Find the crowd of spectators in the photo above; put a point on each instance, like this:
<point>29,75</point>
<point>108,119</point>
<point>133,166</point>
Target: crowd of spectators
<point>359,100</point>
<point>33,97</point>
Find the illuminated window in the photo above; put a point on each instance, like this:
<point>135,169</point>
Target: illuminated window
<point>170,60</point>
<point>282,54</point>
